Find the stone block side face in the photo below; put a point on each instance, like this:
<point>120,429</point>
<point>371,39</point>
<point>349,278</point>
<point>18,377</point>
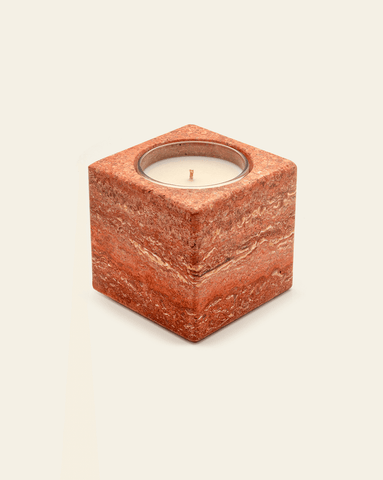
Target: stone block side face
<point>245,250</point>
<point>141,252</point>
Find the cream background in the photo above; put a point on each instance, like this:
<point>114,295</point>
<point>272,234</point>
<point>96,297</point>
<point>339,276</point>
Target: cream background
<point>90,390</point>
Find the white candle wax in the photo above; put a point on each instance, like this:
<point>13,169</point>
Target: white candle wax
<point>206,171</point>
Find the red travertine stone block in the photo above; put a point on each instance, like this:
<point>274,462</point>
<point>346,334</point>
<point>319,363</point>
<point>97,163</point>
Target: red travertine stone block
<point>192,260</point>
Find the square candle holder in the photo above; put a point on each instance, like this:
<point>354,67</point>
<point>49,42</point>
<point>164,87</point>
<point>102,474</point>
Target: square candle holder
<point>192,260</point>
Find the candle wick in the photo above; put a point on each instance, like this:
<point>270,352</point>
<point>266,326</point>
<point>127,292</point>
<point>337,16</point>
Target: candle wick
<point>191,174</point>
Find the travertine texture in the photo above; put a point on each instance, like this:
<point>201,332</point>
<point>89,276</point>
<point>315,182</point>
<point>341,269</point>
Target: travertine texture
<point>192,260</point>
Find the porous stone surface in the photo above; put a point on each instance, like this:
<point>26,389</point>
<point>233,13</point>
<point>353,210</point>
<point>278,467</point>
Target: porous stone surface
<point>192,260</point>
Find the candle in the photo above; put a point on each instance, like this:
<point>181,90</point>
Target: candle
<point>193,171</point>
<point>193,165</point>
<point>192,261</point>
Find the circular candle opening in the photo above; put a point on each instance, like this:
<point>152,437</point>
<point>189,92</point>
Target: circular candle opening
<point>193,164</point>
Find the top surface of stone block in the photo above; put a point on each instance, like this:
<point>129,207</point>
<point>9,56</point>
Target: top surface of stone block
<point>122,167</point>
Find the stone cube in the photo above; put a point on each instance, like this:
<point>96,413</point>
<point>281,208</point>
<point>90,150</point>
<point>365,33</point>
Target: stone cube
<point>192,260</point>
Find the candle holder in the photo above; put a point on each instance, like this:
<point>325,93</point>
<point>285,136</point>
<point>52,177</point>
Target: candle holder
<point>192,259</point>
<point>193,148</point>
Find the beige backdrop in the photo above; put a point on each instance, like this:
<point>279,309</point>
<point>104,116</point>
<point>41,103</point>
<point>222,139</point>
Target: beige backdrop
<point>91,390</point>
